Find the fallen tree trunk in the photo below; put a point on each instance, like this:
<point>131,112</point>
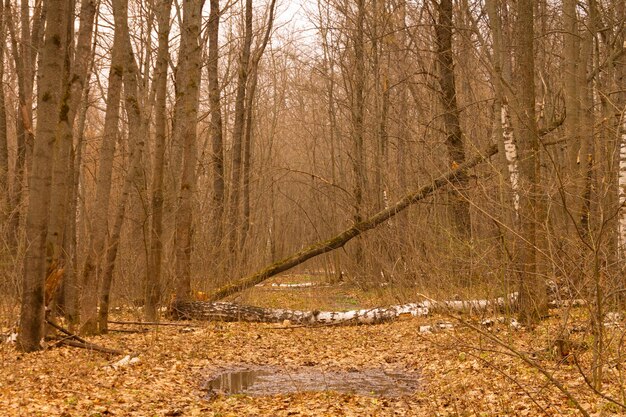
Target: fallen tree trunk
<point>341,239</point>
<point>471,306</point>
<point>222,311</point>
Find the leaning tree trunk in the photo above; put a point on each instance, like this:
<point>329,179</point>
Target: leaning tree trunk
<point>31,327</point>
<point>341,239</point>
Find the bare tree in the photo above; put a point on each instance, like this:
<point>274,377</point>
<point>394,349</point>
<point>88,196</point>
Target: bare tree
<point>188,74</point>
<point>459,204</point>
<point>4,151</point>
<point>216,130</point>
<point>154,271</point>
<point>49,104</point>
<point>91,272</point>
<point>239,131</point>
<point>533,298</point>
<point>136,142</point>
<point>25,50</point>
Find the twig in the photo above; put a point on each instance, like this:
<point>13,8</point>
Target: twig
<point>67,332</point>
<point>152,323</point>
<point>80,342</point>
<point>91,346</point>
<point>129,330</point>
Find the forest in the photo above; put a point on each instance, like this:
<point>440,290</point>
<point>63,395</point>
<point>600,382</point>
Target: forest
<point>312,207</point>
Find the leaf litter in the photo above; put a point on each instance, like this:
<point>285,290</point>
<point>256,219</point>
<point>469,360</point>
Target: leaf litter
<point>460,372</point>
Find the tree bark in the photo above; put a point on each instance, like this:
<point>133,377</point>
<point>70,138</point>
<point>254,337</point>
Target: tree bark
<point>188,84</point>
<point>31,327</point>
<point>216,129</point>
<point>76,70</point>
<point>357,229</point>
<point>136,142</point>
<point>533,296</point>
<point>24,56</point>
<point>459,206</point>
<point>91,273</point>
<point>154,271</point>
<point>359,167</point>
<point>4,149</point>
<point>221,311</point>
<point>247,148</point>
<point>238,134</point>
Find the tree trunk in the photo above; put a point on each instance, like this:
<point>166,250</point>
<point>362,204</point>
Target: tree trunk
<point>224,311</point>
<point>188,84</point>
<point>154,271</point>
<point>247,146</point>
<point>359,167</point>
<point>347,235</point>
<point>153,278</point>
<point>91,273</point>
<point>31,327</point>
<point>533,300</point>
<point>221,311</point>
<point>25,56</point>
<point>136,142</point>
<point>238,135</point>
<point>4,149</point>
<point>71,284</point>
<point>76,73</point>
<point>459,206</point>
<point>216,130</point>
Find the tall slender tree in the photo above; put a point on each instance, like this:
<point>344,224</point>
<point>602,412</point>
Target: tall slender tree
<point>49,103</point>
<point>533,297</point>
<point>91,272</point>
<point>154,270</point>
<point>188,78</point>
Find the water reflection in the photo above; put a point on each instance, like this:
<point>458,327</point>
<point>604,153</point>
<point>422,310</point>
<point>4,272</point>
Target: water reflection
<point>271,381</point>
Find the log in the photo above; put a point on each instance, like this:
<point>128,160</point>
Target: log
<point>347,235</point>
<point>469,306</point>
<point>223,311</point>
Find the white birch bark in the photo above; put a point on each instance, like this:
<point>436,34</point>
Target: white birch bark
<point>622,188</point>
<point>510,152</point>
<point>225,311</point>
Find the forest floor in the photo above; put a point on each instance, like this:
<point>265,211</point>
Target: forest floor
<point>467,370</point>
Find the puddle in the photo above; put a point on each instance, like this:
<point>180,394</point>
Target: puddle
<point>272,381</point>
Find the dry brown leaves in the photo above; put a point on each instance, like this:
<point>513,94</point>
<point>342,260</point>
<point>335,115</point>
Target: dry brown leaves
<point>464,374</point>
